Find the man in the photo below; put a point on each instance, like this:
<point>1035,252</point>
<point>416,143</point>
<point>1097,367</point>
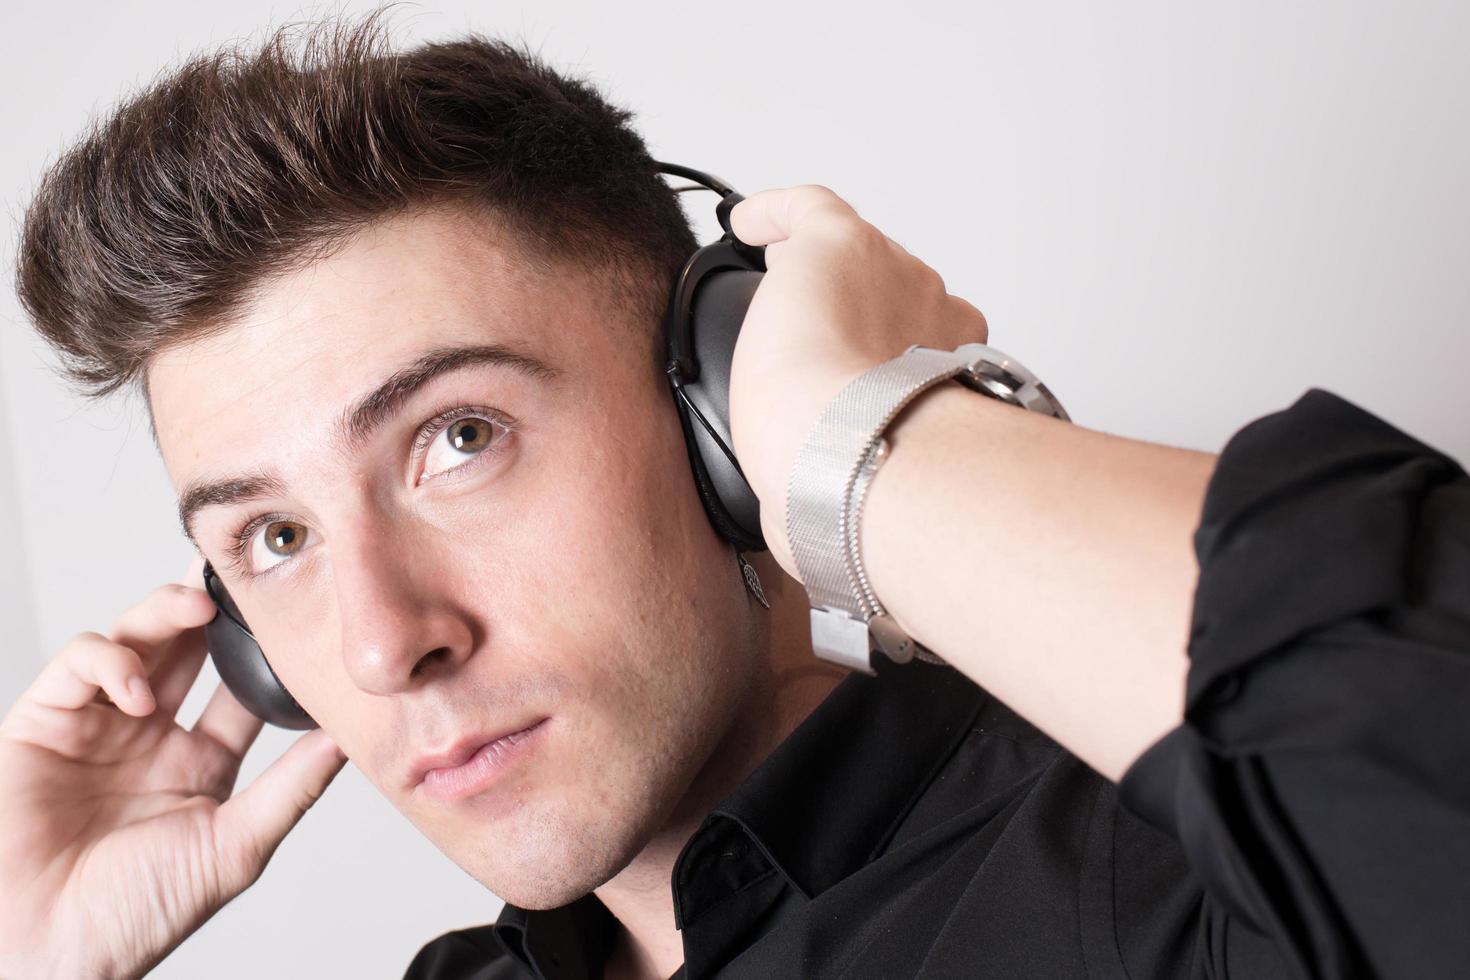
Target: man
<point>395,318</point>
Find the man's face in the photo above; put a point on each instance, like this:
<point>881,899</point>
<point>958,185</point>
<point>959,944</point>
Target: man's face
<point>540,559</point>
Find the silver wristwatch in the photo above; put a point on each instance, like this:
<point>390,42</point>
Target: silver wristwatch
<point>829,483</point>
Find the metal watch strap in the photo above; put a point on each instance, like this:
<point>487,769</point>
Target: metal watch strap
<point>822,480</point>
<point>829,480</point>
<point>890,638</point>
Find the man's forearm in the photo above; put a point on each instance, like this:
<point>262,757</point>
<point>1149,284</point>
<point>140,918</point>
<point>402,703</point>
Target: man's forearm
<point>1052,564</point>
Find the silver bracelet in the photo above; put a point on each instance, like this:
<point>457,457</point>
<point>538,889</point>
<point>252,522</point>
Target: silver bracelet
<point>830,478</point>
<point>894,642</point>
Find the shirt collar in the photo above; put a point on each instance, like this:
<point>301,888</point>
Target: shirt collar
<point>567,943</point>
<point>828,799</point>
<point>821,806</point>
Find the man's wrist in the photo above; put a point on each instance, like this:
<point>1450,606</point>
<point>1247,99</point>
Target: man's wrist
<point>829,479</point>
<point>824,499</point>
<point>923,422</point>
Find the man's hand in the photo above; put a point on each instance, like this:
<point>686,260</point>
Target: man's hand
<point>121,836</point>
<point>839,297</point>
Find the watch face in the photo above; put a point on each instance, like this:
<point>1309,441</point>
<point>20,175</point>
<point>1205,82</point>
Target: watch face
<point>994,373</point>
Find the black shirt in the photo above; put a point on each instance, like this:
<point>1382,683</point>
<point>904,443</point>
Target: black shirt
<point>1309,819</point>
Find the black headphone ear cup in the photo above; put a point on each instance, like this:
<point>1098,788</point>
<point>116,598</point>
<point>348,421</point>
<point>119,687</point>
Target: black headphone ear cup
<point>719,515</point>
<point>242,665</point>
<point>710,298</point>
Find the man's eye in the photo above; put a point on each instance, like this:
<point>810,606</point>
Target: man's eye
<point>449,441</point>
<point>461,440</point>
<point>277,541</point>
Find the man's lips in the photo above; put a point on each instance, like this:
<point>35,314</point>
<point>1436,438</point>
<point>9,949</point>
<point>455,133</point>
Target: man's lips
<point>462,751</point>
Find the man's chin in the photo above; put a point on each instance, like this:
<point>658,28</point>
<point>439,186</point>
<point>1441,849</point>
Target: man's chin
<point>537,900</point>
<point>546,884</point>
<point>538,861</point>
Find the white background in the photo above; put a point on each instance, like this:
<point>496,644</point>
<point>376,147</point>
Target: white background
<point>1181,215</point>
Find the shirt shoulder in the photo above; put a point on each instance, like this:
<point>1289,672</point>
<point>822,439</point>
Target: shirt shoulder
<point>1317,782</point>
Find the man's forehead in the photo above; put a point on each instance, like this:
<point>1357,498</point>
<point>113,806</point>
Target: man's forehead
<point>340,322</point>
<point>327,340</point>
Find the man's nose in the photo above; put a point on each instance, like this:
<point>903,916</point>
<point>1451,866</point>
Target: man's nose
<point>399,628</point>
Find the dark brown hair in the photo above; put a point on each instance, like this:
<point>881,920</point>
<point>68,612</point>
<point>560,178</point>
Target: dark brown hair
<point>242,163</point>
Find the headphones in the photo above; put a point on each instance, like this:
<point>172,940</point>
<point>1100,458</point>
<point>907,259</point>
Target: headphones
<point>706,309</point>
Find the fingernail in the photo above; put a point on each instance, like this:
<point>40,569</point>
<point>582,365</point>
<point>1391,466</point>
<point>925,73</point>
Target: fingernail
<point>138,688</point>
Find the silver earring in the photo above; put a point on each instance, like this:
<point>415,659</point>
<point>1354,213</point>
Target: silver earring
<point>752,580</point>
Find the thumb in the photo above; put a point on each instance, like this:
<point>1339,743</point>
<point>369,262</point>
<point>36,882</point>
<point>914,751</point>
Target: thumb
<point>251,824</point>
<point>770,216</point>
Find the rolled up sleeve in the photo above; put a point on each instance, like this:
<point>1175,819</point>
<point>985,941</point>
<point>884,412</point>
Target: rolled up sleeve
<point>1320,781</point>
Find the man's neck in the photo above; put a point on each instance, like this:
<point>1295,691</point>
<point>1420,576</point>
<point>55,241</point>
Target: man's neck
<point>648,947</point>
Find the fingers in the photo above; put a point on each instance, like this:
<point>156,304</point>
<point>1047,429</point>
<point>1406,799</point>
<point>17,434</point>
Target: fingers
<point>167,611</point>
<point>115,668</point>
<point>194,577</point>
<point>773,254</point>
<point>776,215</point>
<point>251,824</point>
<point>228,722</point>
<point>89,664</point>
<point>174,675</point>
<point>164,630</point>
<point>970,323</point>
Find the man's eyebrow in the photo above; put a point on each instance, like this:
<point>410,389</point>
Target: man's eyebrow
<point>357,423</point>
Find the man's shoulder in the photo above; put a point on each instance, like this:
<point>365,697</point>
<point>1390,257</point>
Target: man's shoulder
<point>466,954</point>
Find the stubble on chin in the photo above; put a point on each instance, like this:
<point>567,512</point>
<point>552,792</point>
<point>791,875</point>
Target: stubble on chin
<point>554,856</point>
